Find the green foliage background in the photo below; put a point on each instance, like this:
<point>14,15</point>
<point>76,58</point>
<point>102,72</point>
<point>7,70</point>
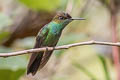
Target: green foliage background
<point>80,63</point>
<point>41,4</point>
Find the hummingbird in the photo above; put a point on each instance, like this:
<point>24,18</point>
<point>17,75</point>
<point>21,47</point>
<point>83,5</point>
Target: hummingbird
<point>48,36</point>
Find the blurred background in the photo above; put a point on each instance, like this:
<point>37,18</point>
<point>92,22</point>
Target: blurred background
<point>20,21</point>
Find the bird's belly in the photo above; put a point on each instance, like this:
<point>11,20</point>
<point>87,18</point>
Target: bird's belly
<point>51,40</point>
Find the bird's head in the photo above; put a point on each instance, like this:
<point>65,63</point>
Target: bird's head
<point>64,18</point>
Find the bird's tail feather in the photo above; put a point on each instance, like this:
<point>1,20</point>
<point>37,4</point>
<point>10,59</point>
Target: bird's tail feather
<point>38,60</point>
<point>34,63</point>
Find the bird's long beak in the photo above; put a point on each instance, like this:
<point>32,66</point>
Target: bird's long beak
<point>77,18</point>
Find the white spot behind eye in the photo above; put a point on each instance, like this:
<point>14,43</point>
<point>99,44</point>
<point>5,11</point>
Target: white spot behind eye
<point>61,18</point>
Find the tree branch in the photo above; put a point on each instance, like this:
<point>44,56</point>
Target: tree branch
<point>59,48</point>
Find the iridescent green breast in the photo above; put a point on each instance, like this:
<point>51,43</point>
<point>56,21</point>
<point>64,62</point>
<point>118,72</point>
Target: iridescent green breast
<point>53,34</point>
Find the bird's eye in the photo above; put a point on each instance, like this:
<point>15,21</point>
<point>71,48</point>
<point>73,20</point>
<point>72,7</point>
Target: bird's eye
<point>61,18</point>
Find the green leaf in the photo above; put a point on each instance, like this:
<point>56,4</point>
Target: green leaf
<point>105,2</point>
<point>7,74</point>
<point>3,35</point>
<point>104,65</point>
<point>13,63</point>
<point>12,68</point>
<point>41,4</point>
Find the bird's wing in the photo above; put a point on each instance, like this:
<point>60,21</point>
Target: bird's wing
<point>36,58</point>
<point>46,56</point>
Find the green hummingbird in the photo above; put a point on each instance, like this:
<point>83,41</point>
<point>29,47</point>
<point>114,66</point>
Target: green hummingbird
<point>48,36</point>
